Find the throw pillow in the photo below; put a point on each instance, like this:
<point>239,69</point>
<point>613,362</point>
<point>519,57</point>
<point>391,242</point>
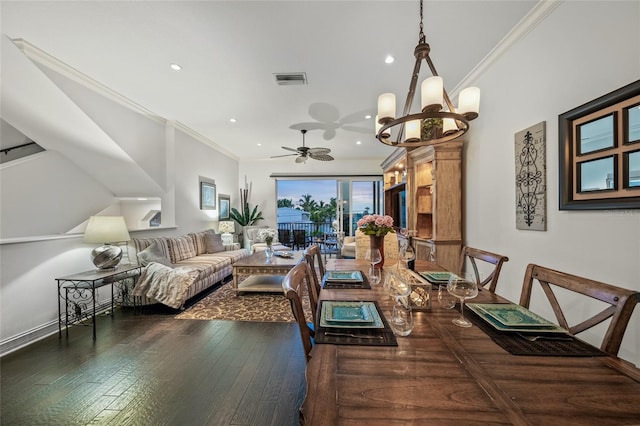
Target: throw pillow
<point>213,243</point>
<point>153,253</point>
<point>181,248</point>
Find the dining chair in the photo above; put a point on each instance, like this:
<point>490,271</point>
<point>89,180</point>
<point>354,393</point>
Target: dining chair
<point>284,236</point>
<point>474,254</point>
<point>621,302</point>
<point>312,255</point>
<point>293,289</point>
<point>299,238</point>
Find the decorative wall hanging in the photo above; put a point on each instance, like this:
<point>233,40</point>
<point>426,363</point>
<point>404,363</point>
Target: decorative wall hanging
<point>207,195</point>
<point>531,180</point>
<point>224,204</point>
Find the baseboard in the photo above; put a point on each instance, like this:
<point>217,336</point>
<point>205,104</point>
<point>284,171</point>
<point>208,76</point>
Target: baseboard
<point>28,337</point>
<point>35,334</point>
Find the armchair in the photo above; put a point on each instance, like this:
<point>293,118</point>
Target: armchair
<point>253,242</point>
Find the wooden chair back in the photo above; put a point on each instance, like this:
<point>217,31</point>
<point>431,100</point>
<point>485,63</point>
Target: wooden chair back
<point>292,286</point>
<point>621,302</point>
<point>491,280</point>
<point>312,255</point>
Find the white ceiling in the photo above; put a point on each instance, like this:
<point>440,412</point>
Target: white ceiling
<point>230,50</point>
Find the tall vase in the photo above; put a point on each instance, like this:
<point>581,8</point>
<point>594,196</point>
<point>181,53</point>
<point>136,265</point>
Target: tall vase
<point>377,242</point>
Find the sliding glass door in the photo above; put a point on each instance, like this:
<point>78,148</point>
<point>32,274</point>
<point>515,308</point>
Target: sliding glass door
<point>318,205</point>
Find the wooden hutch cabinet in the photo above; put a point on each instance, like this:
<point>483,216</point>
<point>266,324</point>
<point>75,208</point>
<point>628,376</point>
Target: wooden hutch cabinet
<point>434,201</point>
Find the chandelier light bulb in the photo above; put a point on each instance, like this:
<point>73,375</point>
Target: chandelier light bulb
<point>449,126</point>
<point>469,102</point>
<point>412,130</point>
<point>432,90</point>
<point>386,107</point>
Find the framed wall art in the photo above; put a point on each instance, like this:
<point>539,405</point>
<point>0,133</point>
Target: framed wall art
<point>207,195</point>
<point>531,178</point>
<point>224,205</point>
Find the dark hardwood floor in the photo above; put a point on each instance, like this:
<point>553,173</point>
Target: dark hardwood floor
<point>152,369</point>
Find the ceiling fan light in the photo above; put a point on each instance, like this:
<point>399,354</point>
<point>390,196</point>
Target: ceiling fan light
<point>432,89</point>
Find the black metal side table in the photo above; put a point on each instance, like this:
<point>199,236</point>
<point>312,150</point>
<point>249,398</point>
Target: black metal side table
<point>78,293</point>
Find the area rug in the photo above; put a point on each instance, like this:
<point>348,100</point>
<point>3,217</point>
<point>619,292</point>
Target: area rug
<point>223,304</point>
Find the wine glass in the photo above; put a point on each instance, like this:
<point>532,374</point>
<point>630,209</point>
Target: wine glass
<point>463,286</point>
<point>374,257</point>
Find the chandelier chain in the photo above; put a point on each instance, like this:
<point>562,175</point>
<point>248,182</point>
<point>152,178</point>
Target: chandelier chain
<point>421,37</point>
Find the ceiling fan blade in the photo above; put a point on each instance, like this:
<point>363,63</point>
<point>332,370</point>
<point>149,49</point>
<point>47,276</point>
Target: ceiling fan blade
<point>301,159</point>
<point>284,155</point>
<point>319,150</point>
<point>289,149</point>
<point>321,157</point>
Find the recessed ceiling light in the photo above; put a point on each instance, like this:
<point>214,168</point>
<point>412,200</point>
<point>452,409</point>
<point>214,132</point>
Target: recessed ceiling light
<point>358,142</point>
<point>389,59</point>
<point>259,144</point>
<point>233,120</point>
<point>367,117</point>
<point>142,199</point>
<point>176,67</point>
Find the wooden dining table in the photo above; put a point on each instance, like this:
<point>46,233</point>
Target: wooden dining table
<point>445,374</point>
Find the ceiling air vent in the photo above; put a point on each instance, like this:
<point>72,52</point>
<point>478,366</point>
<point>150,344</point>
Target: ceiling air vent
<point>291,78</point>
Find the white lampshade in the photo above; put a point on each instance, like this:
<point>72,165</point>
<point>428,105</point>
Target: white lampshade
<point>432,90</point>
<point>105,230</point>
<point>387,106</point>
<point>449,125</point>
<point>226,227</point>
<point>469,102</point>
<point>379,126</point>
<point>412,131</point>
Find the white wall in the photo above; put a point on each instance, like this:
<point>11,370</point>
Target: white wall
<point>581,51</point>
<point>257,173</point>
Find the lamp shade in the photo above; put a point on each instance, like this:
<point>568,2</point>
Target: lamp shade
<point>106,229</point>
<point>226,227</point>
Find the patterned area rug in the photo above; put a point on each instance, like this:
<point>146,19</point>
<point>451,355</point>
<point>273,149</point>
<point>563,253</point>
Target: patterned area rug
<point>259,307</point>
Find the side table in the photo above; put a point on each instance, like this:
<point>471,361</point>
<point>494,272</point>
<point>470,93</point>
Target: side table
<point>78,293</point>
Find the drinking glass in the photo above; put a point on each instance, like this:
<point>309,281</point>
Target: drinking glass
<point>462,286</point>
<point>374,257</point>
<point>445,299</point>
<point>401,321</point>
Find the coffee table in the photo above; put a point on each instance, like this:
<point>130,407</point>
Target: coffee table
<point>263,276</point>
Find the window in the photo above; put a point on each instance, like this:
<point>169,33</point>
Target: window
<point>600,152</point>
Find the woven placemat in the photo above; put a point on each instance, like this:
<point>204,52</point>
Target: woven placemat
<point>364,284</point>
<point>361,336</point>
<point>515,344</point>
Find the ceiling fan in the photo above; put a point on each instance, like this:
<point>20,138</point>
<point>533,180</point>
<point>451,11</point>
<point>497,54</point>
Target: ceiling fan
<point>303,152</point>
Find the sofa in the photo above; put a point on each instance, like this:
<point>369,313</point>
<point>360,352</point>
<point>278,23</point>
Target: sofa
<point>253,242</point>
<point>179,268</point>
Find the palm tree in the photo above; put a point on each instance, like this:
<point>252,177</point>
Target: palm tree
<point>307,203</point>
<point>285,202</point>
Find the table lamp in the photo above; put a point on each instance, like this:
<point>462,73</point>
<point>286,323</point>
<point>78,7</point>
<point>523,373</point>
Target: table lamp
<point>106,230</point>
<point>226,228</point>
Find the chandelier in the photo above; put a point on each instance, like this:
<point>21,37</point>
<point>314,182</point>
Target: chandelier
<point>436,123</point>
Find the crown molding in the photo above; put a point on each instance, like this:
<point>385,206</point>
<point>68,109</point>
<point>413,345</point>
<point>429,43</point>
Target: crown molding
<point>535,16</point>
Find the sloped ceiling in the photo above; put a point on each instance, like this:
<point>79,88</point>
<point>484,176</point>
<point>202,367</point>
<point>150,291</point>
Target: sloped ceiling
<point>230,50</point>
